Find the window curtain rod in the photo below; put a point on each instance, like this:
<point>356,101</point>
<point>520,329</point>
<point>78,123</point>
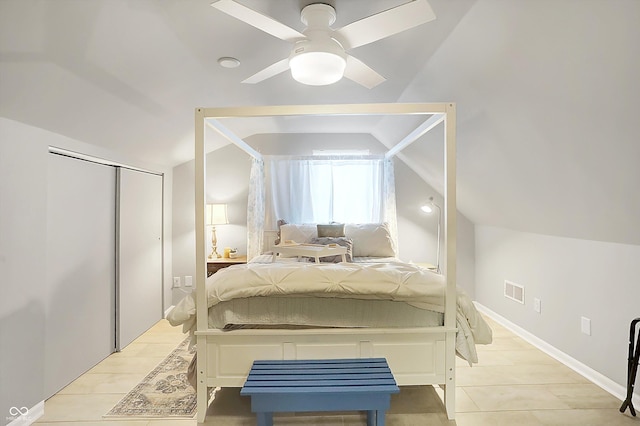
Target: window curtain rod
<point>326,157</point>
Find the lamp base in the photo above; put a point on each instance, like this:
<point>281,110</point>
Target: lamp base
<point>214,245</point>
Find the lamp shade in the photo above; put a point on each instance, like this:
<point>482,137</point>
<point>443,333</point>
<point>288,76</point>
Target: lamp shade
<point>217,214</point>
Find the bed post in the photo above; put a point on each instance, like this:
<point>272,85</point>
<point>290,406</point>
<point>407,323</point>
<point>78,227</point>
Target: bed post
<point>450,210</point>
<point>201,267</point>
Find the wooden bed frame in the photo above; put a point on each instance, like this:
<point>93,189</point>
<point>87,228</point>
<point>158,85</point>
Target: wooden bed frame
<point>416,356</point>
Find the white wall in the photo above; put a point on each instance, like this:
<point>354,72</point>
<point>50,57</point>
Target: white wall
<point>417,231</point>
<point>23,197</point>
<point>23,194</point>
<point>547,104</point>
<point>572,278</point>
<point>227,182</point>
<point>183,226</point>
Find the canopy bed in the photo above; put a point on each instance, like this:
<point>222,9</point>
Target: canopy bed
<point>419,350</point>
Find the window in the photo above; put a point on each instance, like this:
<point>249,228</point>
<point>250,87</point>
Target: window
<point>322,190</point>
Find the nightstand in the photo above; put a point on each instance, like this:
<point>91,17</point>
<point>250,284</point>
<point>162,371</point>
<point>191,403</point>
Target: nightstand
<point>213,265</point>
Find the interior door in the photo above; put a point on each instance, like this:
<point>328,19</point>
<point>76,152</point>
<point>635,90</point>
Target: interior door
<point>80,253</point>
<point>139,281</point>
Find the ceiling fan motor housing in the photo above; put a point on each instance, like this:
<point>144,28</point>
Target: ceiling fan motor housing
<point>318,14</point>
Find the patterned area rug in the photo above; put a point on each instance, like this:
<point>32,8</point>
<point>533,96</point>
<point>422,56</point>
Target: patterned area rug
<point>165,392</point>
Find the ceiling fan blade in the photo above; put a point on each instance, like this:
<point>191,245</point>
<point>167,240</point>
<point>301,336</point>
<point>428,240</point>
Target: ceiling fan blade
<point>361,73</point>
<point>385,24</point>
<point>258,20</point>
<point>268,72</point>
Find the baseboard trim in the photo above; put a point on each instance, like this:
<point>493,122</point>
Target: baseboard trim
<point>28,418</point>
<point>584,370</point>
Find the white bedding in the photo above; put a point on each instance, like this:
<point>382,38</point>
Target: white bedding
<point>395,281</point>
<point>268,258</point>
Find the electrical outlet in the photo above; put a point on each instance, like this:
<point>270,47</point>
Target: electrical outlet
<point>537,305</point>
<point>176,282</point>
<point>188,281</point>
<point>586,326</point>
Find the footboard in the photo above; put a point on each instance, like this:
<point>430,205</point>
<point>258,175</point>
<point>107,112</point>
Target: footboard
<point>416,356</point>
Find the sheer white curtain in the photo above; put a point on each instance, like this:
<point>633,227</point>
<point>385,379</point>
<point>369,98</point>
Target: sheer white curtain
<point>389,201</point>
<point>256,208</point>
<point>350,189</point>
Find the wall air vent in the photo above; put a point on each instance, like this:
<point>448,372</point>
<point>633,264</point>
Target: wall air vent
<point>514,291</point>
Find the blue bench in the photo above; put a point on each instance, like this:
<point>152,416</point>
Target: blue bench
<point>320,385</point>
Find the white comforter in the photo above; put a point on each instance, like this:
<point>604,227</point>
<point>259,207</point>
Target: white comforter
<point>390,281</point>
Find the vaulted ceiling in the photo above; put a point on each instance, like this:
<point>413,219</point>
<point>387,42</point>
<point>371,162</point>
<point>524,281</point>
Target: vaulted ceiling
<point>547,92</point>
<point>128,74</point>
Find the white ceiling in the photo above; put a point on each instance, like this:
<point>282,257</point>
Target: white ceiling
<point>128,74</point>
<point>547,92</point>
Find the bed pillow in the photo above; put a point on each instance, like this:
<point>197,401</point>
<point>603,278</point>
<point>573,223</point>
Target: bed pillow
<point>341,241</point>
<point>298,233</point>
<point>370,239</point>
<point>333,230</point>
<point>280,223</point>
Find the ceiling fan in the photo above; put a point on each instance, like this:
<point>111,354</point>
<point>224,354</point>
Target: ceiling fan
<point>319,55</point>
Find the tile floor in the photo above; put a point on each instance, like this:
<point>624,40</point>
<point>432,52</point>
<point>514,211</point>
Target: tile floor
<point>513,384</point>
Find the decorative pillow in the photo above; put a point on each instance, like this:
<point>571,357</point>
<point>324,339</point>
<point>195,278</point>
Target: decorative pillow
<point>371,239</point>
<point>341,241</point>
<point>333,230</point>
<point>297,233</point>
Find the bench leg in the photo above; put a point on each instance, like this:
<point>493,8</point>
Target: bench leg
<point>371,418</point>
<point>265,418</point>
<point>375,418</point>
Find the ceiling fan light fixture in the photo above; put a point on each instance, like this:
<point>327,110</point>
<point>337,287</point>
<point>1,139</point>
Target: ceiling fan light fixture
<point>318,62</point>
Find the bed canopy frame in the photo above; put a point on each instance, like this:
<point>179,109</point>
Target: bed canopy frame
<point>211,343</point>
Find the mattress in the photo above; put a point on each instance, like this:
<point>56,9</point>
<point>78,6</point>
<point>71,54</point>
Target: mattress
<point>275,312</point>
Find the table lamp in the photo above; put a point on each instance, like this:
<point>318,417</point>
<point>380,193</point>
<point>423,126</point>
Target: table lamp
<point>216,215</point>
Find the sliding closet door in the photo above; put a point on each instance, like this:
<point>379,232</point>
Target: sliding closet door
<point>139,281</point>
<point>80,254</point>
